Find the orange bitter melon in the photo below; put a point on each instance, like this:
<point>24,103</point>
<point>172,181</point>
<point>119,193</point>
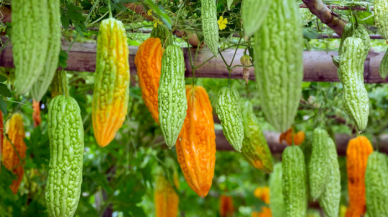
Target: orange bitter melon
<point>111,86</point>
<point>357,154</point>
<point>262,193</point>
<point>287,136</point>
<point>148,61</point>
<point>226,206</point>
<point>36,114</point>
<point>196,146</point>
<point>14,149</point>
<point>165,196</point>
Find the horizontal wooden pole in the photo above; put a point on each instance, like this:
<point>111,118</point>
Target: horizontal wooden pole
<point>318,65</point>
<point>272,138</point>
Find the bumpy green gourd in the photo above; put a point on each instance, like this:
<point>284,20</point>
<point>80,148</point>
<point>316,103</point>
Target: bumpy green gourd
<point>381,17</point>
<point>229,2</point>
<point>254,146</point>
<point>279,63</point>
<point>276,192</point>
<point>376,185</point>
<point>210,25</point>
<point>355,99</point>
<point>383,69</point>
<point>229,113</point>
<point>294,182</point>
<point>43,82</point>
<point>319,163</point>
<point>172,94</point>
<point>253,13</point>
<point>59,85</point>
<point>330,198</point>
<point>30,40</point>
<point>66,134</point>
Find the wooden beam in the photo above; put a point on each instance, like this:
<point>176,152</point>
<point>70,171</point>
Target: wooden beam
<point>272,138</point>
<point>318,65</point>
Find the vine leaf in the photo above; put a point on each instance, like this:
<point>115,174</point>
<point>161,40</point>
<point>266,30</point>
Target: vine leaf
<point>72,14</point>
<point>3,106</point>
<point>159,10</point>
<point>63,56</point>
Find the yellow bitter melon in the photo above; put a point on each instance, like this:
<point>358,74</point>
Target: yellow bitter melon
<point>43,82</point>
<point>66,135</point>
<point>279,63</point>
<point>254,147</point>
<point>30,39</point>
<point>111,86</point>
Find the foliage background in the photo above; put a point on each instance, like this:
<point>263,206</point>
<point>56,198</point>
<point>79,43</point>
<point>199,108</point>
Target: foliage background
<point>120,177</point>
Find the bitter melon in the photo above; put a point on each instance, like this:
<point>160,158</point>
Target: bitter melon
<point>172,94</point>
<point>330,198</point>
<point>294,182</point>
<point>210,25</point>
<point>59,85</point>
<point>319,163</point>
<point>253,13</point>
<point>254,146</point>
<point>381,16</point>
<point>276,191</point>
<point>279,63</point>
<point>30,40</point>
<point>66,135</point>
<point>229,113</point>
<point>376,185</point>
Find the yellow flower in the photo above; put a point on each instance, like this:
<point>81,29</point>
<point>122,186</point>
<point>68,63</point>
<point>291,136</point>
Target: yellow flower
<point>222,22</point>
<point>149,12</point>
<point>156,22</point>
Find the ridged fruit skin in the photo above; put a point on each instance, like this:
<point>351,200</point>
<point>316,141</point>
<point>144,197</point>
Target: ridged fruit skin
<point>287,136</point>
<point>357,154</point>
<point>171,94</point>
<point>148,62</point>
<point>15,131</point>
<point>276,191</point>
<point>196,146</point>
<point>210,25</point>
<point>59,85</point>
<point>254,146</point>
<point>36,114</point>
<point>226,206</point>
<point>279,63</point>
<point>66,136</point>
<point>253,14</point>
<point>229,113</point>
<point>355,99</point>
<point>356,31</point>
<point>330,198</point>
<point>229,2</point>
<point>383,69</point>
<point>294,182</point>
<point>39,88</point>
<point>163,33</point>
<point>166,199</point>
<point>30,40</point>
<point>381,16</point>
<point>111,86</point>
<point>319,163</point>
<point>376,185</point>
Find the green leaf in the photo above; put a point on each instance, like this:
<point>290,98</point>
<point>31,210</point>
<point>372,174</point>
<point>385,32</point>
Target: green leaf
<point>310,33</point>
<point>2,78</point>
<point>4,91</point>
<point>3,106</point>
<point>63,56</point>
<point>159,10</point>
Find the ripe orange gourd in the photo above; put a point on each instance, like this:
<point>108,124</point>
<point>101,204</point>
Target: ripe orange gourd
<point>357,154</point>
<point>165,197</point>
<point>196,146</point>
<point>287,136</point>
<point>1,135</point>
<point>266,212</point>
<point>262,193</point>
<point>13,160</point>
<point>36,114</point>
<point>148,61</point>
<point>226,206</point>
